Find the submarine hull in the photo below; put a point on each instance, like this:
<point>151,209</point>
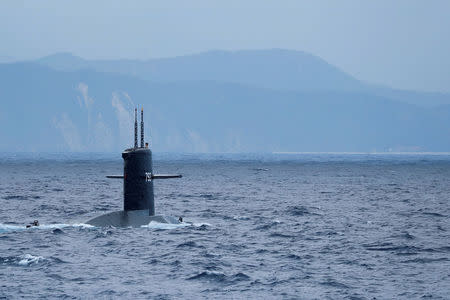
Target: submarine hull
<point>130,218</point>
<point>138,197</point>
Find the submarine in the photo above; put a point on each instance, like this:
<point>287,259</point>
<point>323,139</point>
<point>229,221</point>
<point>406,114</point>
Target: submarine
<point>138,196</point>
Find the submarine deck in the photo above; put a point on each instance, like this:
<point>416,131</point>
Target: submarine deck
<point>131,218</point>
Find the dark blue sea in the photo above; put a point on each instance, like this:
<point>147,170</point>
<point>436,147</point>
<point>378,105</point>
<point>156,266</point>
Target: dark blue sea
<point>275,226</point>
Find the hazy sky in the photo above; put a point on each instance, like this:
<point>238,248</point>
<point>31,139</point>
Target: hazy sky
<point>403,44</point>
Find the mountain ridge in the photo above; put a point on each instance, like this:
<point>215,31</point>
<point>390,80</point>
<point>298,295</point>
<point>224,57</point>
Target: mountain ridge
<point>163,70</point>
<point>47,110</point>
<point>276,68</point>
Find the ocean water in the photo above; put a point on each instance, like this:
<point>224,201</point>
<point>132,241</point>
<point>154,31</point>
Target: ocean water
<point>304,226</point>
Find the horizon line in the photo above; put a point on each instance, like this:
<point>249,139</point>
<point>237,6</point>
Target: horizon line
<point>444,153</point>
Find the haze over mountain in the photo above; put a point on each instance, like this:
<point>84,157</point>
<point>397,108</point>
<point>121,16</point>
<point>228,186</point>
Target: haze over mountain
<point>276,69</point>
<point>270,69</point>
<point>244,101</point>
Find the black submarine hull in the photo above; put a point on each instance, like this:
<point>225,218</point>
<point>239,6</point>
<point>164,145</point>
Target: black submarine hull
<point>130,218</point>
<point>138,196</point>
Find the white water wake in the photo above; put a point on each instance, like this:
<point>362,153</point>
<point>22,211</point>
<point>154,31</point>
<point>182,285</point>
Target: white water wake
<point>4,228</point>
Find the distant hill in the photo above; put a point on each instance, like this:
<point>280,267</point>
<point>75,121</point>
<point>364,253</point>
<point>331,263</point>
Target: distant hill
<point>43,109</point>
<point>270,69</point>
<point>273,69</point>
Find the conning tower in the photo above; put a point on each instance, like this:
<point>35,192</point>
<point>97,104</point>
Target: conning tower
<point>138,196</point>
<point>137,174</point>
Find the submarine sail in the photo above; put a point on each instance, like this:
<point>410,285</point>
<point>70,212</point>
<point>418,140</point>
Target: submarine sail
<point>138,195</point>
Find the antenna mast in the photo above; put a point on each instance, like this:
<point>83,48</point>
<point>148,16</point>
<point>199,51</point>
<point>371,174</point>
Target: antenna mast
<point>142,127</point>
<point>135,129</point>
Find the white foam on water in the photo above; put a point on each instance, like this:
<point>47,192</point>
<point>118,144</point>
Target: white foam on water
<point>28,259</point>
<point>201,224</point>
<point>8,228</point>
<point>4,228</point>
<point>239,218</point>
<point>11,228</point>
<point>60,226</point>
<point>157,225</point>
<point>82,225</point>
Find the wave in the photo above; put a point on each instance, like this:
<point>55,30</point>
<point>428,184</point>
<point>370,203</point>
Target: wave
<point>335,284</point>
<point>22,260</point>
<point>5,228</point>
<point>189,244</point>
<point>157,225</point>
<point>238,218</point>
<point>425,260</point>
<point>299,210</point>
<point>218,277</point>
<point>29,259</point>
<point>201,224</point>
<point>280,235</point>
<point>399,249</point>
<point>274,223</point>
